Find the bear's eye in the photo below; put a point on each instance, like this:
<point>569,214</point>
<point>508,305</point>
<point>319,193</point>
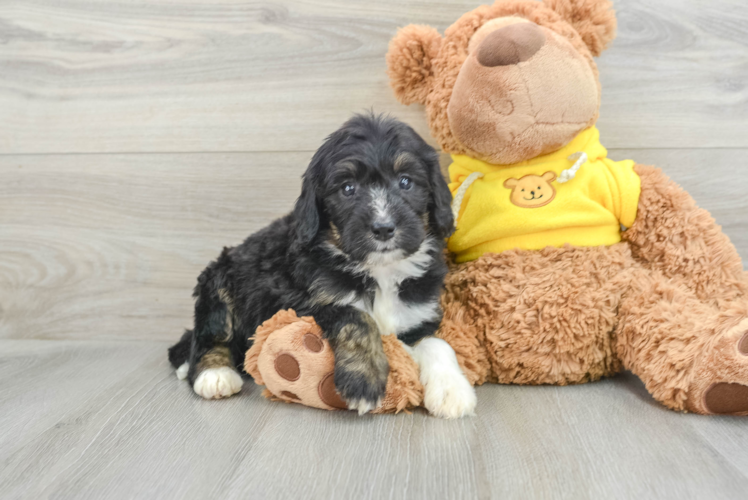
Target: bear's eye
<point>538,187</point>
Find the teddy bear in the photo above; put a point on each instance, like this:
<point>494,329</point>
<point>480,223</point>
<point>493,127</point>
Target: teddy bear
<point>567,266</point>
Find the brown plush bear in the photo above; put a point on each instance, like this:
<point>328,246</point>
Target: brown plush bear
<point>544,287</point>
<point>295,363</point>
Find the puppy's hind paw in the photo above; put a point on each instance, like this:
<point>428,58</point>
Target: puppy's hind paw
<point>217,383</point>
<point>182,371</point>
<point>449,395</point>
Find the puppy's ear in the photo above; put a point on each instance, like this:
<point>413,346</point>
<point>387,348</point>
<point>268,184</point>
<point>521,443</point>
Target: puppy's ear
<point>441,219</point>
<point>306,213</point>
<point>409,62</point>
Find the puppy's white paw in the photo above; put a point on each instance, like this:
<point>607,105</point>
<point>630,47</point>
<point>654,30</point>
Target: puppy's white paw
<point>216,383</point>
<point>448,394</point>
<point>362,406</point>
<point>182,371</point>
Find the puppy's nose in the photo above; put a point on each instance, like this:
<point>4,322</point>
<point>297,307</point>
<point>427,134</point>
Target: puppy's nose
<point>383,231</point>
<point>511,45</point>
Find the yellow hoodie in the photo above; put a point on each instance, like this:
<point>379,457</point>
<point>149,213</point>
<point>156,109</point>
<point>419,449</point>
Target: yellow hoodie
<point>535,204</point>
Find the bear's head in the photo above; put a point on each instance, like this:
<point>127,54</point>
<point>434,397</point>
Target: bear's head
<point>509,81</point>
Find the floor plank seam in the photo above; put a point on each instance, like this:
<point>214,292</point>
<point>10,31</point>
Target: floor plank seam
<point>310,151</point>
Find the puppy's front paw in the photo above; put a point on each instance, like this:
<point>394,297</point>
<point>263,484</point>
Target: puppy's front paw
<point>362,405</point>
<point>362,385</point>
<point>217,383</point>
<point>361,367</point>
<point>448,394</point>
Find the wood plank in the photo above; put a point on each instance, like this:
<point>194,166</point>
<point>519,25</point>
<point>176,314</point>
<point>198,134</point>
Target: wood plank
<point>249,75</point>
<point>109,246</point>
<point>116,423</point>
<point>152,434</point>
<point>676,75</point>
<point>607,439</point>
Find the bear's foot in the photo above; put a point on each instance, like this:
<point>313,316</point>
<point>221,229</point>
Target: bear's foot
<point>720,382</point>
<point>296,366</point>
<point>294,361</point>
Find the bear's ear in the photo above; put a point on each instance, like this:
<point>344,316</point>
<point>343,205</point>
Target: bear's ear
<point>549,177</point>
<point>409,61</point>
<point>511,183</point>
<point>594,20</point>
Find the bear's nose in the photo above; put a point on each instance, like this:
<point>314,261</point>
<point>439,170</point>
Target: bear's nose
<point>511,45</point>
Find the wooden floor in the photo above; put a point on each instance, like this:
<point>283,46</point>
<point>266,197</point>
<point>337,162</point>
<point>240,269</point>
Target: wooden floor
<point>138,138</point>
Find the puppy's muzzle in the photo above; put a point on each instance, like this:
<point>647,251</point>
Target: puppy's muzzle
<point>383,231</point>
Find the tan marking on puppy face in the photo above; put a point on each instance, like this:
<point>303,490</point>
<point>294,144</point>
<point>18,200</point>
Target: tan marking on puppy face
<point>425,220</point>
<point>532,191</point>
<point>347,166</point>
<point>334,237</point>
<point>402,160</point>
<point>215,358</point>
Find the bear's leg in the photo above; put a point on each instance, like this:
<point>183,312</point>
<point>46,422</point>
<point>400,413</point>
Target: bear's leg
<point>690,355</point>
<point>461,327</point>
<point>673,235</point>
<point>536,317</point>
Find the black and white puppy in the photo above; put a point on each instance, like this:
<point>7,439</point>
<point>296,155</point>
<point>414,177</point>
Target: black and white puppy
<point>362,252</point>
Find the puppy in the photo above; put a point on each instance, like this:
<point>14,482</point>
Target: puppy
<point>362,252</point>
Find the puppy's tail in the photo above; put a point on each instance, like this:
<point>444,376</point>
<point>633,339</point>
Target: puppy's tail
<point>179,353</point>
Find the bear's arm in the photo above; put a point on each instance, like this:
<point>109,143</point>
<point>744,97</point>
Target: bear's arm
<point>673,235</point>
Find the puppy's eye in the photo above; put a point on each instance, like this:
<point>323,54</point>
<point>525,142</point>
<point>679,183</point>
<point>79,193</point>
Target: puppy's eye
<point>405,182</point>
<point>348,189</point>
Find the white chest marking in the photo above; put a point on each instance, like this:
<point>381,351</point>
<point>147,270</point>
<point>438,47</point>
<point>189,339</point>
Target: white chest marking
<point>391,314</point>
